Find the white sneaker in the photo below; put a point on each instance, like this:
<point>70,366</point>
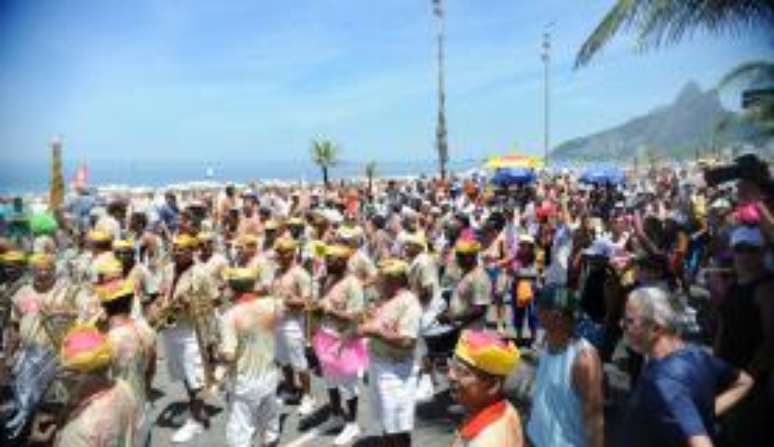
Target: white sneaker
<point>425,391</point>
<point>333,423</point>
<point>187,432</point>
<point>307,405</point>
<point>350,433</point>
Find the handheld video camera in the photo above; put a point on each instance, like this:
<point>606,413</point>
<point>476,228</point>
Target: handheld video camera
<point>745,167</point>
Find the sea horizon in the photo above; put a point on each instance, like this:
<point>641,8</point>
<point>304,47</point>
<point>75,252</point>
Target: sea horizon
<point>28,177</point>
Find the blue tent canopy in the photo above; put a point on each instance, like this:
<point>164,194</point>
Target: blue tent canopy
<point>603,176</point>
<point>513,176</point>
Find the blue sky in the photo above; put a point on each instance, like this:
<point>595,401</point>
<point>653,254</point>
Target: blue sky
<point>257,80</point>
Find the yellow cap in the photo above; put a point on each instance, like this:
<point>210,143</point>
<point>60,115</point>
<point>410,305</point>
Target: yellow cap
<point>487,352</point>
<point>41,260</point>
<point>205,236</point>
<point>318,248</point>
<point>115,289</point>
<point>123,244</point>
<point>14,257</point>
<point>185,241</point>
<point>338,251</point>
<point>393,267</point>
<point>467,247</point>
<point>110,268</point>
<point>416,238</point>
<point>295,222</point>
<point>86,349</point>
<point>99,236</point>
<point>348,233</point>
<point>241,274</point>
<point>285,245</point>
<point>271,225</point>
<point>247,239</point>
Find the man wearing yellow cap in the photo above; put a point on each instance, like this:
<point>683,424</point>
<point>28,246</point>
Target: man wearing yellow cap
<point>477,374</point>
<point>187,341</point>
<point>248,348</point>
<point>293,285</point>
<point>473,294</point>
<point>14,265</point>
<point>212,261</point>
<point>271,231</point>
<point>103,411</point>
<point>33,347</point>
<point>435,338</point>
<point>248,256</point>
<point>145,284</point>
<point>359,264</point>
<point>134,340</point>
<point>101,250</point>
<point>393,329</point>
<point>341,306</point>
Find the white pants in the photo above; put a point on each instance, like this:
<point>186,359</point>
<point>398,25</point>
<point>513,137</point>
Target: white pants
<point>393,388</point>
<point>291,345</point>
<point>184,361</point>
<point>252,407</point>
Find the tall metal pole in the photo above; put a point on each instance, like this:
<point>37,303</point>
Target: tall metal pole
<point>440,131</point>
<point>546,56</point>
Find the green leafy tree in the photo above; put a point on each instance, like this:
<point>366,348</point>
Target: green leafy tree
<point>325,154</point>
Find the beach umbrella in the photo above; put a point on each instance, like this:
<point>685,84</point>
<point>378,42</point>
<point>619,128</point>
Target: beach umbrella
<point>513,176</point>
<point>602,175</point>
<point>43,224</point>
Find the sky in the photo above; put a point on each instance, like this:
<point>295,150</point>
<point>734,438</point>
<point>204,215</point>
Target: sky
<point>258,80</point>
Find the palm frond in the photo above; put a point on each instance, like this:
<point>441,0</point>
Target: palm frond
<point>664,22</point>
<point>750,73</point>
<point>621,14</point>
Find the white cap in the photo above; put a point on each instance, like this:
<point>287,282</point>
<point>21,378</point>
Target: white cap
<point>749,235</point>
<point>527,239</point>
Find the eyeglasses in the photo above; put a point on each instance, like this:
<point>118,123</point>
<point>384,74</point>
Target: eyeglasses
<point>627,322</point>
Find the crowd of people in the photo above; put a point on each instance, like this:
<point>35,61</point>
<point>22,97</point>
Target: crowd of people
<point>262,291</point>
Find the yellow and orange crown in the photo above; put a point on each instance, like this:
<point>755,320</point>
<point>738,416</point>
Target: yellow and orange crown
<point>487,352</point>
<point>86,349</point>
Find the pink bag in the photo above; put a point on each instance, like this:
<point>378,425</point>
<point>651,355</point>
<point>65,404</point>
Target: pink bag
<point>341,360</point>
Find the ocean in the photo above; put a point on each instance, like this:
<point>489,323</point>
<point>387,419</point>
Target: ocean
<point>23,177</point>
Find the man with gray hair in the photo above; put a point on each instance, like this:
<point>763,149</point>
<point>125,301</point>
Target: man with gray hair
<point>683,387</point>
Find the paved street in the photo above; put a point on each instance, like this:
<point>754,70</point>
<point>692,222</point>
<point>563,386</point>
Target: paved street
<point>434,422</point>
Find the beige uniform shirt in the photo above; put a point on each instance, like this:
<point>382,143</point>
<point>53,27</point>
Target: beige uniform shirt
<point>400,315</point>
<point>105,419</point>
<point>475,289</point>
<point>247,331</point>
<point>134,342</point>
<point>344,296</point>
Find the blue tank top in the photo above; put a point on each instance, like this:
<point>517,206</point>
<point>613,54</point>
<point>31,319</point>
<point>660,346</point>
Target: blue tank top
<point>557,415</point>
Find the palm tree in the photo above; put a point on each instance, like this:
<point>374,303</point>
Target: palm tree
<point>751,74</point>
<point>325,154</point>
<point>370,172</point>
<point>659,22</point>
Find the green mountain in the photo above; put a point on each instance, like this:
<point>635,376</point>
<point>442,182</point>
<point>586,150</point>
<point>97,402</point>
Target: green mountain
<point>695,121</point>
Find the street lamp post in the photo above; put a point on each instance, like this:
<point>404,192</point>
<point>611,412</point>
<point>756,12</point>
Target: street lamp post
<point>546,57</point>
<point>440,131</point>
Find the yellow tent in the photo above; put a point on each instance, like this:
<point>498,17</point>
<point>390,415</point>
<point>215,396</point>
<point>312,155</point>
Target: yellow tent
<point>514,161</point>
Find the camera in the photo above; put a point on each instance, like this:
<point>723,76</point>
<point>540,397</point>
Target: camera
<point>745,167</point>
